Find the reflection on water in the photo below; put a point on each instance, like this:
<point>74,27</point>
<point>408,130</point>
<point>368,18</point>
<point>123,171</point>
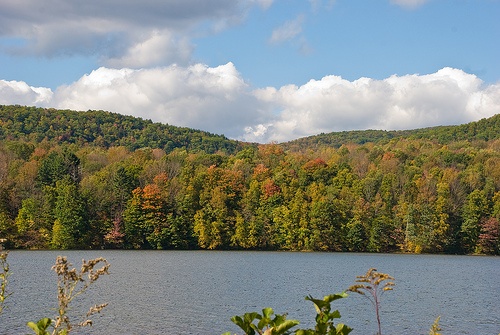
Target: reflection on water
<point>196,292</point>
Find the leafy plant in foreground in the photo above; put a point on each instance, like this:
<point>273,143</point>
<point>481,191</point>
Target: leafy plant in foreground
<point>280,326</point>
<point>325,317</point>
<point>375,284</point>
<point>70,284</point>
<point>266,325</point>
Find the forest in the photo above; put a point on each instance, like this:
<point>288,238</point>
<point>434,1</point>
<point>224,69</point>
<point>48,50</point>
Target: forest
<point>79,180</point>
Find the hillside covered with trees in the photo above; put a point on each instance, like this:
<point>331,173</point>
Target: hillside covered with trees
<point>101,180</point>
<point>485,130</point>
<point>104,129</point>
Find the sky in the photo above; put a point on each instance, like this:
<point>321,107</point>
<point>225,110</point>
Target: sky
<point>257,70</point>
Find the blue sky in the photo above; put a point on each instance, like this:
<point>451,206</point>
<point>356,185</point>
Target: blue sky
<point>356,39</point>
<point>257,70</point>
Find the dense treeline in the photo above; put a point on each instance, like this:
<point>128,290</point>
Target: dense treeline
<point>104,129</point>
<point>485,129</point>
<point>403,194</point>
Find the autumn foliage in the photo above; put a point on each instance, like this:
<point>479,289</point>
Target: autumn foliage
<point>436,193</point>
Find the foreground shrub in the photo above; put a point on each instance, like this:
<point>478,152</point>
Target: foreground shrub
<point>371,285</point>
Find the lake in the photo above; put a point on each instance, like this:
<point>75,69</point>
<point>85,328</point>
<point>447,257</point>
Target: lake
<point>196,292</point>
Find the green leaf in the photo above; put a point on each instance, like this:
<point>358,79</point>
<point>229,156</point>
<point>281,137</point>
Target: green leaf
<point>249,317</point>
<point>279,319</point>
<point>286,325</point>
<point>267,312</point>
<point>318,304</point>
<point>33,326</point>
<point>333,297</point>
<point>262,323</point>
<point>343,329</point>
<point>334,315</point>
<point>265,320</point>
<point>40,328</point>
<point>305,332</point>
<point>237,320</point>
<point>244,324</point>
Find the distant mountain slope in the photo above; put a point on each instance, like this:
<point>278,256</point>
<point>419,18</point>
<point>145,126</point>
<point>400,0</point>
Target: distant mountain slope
<point>484,129</point>
<point>105,129</point>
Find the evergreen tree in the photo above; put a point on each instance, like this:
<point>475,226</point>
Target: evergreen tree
<point>71,223</point>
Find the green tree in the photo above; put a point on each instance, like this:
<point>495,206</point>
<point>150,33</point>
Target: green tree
<point>124,181</point>
<point>33,230</point>
<point>292,224</point>
<point>327,217</point>
<point>152,218</point>
<point>211,223</point>
<point>134,221</point>
<point>357,228</point>
<point>71,224</point>
<point>474,210</point>
<point>56,165</point>
<point>254,225</point>
<point>8,229</point>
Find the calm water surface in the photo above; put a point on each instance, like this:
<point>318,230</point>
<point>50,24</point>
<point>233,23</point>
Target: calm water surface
<point>196,292</point>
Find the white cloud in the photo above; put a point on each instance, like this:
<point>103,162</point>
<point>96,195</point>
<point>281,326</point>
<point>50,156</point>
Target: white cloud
<point>287,31</point>
<point>18,92</point>
<point>411,4</point>
<point>449,96</point>
<point>160,48</point>
<point>121,33</point>
<point>264,4</point>
<point>218,100</point>
<point>212,99</point>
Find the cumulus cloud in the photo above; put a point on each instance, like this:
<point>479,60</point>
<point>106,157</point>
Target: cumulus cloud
<point>18,92</point>
<point>213,99</point>
<point>157,49</point>
<point>449,96</point>
<point>119,32</point>
<point>218,100</point>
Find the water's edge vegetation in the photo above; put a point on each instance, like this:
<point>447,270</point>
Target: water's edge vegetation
<point>77,180</point>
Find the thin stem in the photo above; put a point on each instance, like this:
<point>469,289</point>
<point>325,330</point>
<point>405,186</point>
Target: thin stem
<point>374,283</point>
<point>378,317</point>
